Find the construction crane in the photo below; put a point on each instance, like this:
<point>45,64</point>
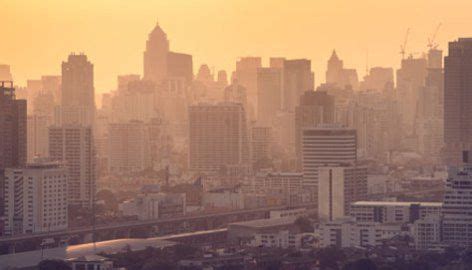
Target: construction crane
<point>431,40</point>
<point>403,46</point>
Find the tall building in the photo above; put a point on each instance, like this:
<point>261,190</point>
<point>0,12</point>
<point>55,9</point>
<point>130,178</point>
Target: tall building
<point>269,93</point>
<point>160,64</point>
<point>339,76</point>
<point>298,78</point>
<point>78,93</point>
<point>315,107</point>
<point>37,137</point>
<point>12,128</point>
<point>379,79</point>
<point>73,145</point>
<point>128,147</point>
<point>218,136</point>
<point>326,145</point>
<point>457,213</point>
<point>457,99</point>
<point>246,74</point>
<point>261,143</point>
<point>338,187</point>
<point>410,79</point>
<point>36,198</point>
<point>13,143</point>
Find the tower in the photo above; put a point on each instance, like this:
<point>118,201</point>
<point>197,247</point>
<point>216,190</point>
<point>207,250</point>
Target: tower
<point>155,55</point>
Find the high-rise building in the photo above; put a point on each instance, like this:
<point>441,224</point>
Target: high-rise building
<point>338,187</point>
<point>338,76</point>
<point>12,128</point>
<point>73,145</point>
<point>218,136</point>
<point>128,147</point>
<point>78,93</point>
<point>124,80</point>
<point>457,213</point>
<point>261,143</point>
<point>246,74</point>
<point>410,79</point>
<point>160,64</point>
<point>315,107</point>
<point>326,145</point>
<point>13,143</point>
<point>298,78</point>
<point>36,198</point>
<point>37,137</point>
<point>379,79</point>
<point>269,93</point>
<point>457,99</point>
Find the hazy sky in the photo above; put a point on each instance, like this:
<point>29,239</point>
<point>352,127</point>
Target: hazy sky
<point>36,35</point>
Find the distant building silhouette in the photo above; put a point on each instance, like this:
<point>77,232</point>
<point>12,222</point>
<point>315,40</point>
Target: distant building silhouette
<point>339,76</point>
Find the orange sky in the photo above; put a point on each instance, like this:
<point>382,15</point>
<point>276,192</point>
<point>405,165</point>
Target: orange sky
<point>36,35</point>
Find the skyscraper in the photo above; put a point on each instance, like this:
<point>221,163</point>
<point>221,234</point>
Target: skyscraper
<point>458,99</point>
<point>269,93</point>
<point>218,136</point>
<point>36,198</point>
<point>78,93</point>
<point>457,213</point>
<point>339,76</point>
<point>326,145</point>
<point>246,74</point>
<point>315,107</point>
<point>12,128</point>
<point>298,78</point>
<point>161,64</point>
<point>73,145</point>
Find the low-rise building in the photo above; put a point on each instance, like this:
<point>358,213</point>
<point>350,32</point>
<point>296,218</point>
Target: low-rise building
<point>154,205</point>
<point>245,232</point>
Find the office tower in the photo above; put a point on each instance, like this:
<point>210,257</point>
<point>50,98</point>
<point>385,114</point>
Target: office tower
<point>218,136</point>
<point>52,84</point>
<point>326,145</point>
<point>430,118</point>
<point>36,198</point>
<point>204,75</point>
<point>339,76</point>
<point>124,80</point>
<point>128,147</point>
<point>155,55</point>
<point>5,73</point>
<point>378,79</point>
<point>246,74</point>
<point>12,133</point>
<point>137,102</point>
<point>269,93</point>
<point>161,64</point>
<point>261,143</point>
<point>410,79</point>
<point>37,137</point>
<point>338,187</point>
<point>222,78</point>
<point>236,93</point>
<point>12,128</point>
<point>457,99</point>
<point>298,78</point>
<point>315,107</point>
<point>457,213</point>
<point>73,145</point>
<point>78,93</point>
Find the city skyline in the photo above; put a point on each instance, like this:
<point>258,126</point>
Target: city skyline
<point>310,32</point>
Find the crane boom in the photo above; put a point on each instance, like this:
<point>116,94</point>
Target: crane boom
<point>403,46</point>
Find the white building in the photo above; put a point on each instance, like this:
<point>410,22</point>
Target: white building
<point>227,198</point>
<point>338,187</point>
<point>154,205</point>
<point>36,198</point>
<point>281,239</point>
<point>346,232</point>
<point>128,147</point>
<point>326,145</point>
<point>388,212</point>
<point>457,208</point>
<point>427,232</point>
<point>73,145</point>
